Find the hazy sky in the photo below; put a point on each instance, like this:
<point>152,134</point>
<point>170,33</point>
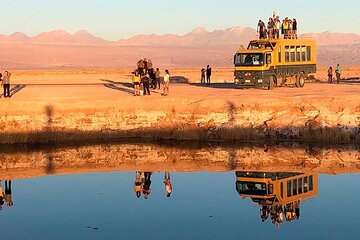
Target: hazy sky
<point>116,19</point>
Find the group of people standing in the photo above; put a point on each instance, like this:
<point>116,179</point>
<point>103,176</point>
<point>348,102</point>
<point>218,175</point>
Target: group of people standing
<point>5,197</point>
<point>143,184</point>
<point>206,73</point>
<point>5,82</point>
<point>145,76</point>
<point>337,73</point>
<point>272,30</point>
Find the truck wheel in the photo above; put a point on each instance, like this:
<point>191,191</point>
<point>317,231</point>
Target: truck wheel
<point>271,83</point>
<point>300,81</point>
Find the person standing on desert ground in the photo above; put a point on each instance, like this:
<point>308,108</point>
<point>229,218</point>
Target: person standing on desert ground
<point>145,65</point>
<point>149,64</point>
<point>208,74</point>
<point>338,73</point>
<point>166,83</point>
<point>141,66</point>
<point>1,82</point>
<point>146,84</point>
<point>136,82</point>
<point>330,75</point>
<point>202,75</point>
<point>168,185</point>
<point>6,84</point>
<point>8,193</point>
<point>158,79</point>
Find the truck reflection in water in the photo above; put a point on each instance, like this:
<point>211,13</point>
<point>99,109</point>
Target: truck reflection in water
<point>278,194</point>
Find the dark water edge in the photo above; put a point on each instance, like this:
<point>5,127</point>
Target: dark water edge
<point>335,135</point>
<point>181,144</point>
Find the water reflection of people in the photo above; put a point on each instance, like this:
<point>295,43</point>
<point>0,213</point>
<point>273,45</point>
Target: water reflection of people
<point>138,184</point>
<point>2,196</point>
<point>147,184</point>
<point>264,213</point>
<point>292,211</point>
<point>168,185</point>
<point>8,192</point>
<point>277,215</point>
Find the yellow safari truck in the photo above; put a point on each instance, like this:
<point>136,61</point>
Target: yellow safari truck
<point>278,62</point>
<point>276,188</point>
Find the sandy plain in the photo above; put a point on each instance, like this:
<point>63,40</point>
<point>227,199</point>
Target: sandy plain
<point>48,106</point>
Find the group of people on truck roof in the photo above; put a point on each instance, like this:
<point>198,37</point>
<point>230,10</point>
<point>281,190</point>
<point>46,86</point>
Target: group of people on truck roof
<point>274,28</point>
<point>145,76</point>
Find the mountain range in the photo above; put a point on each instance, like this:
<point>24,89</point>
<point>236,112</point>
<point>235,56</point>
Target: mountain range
<point>59,49</point>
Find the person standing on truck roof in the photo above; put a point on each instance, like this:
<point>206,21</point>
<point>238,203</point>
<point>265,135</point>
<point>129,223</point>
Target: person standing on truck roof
<point>277,27</point>
<point>208,74</point>
<point>270,28</point>
<point>285,27</point>
<point>290,30</point>
<point>294,28</point>
<point>338,73</point>
<point>260,29</point>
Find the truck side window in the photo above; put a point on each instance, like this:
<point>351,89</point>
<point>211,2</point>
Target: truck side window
<point>279,55</point>
<point>268,58</point>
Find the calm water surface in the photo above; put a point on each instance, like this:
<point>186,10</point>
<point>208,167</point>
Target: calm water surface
<point>201,206</point>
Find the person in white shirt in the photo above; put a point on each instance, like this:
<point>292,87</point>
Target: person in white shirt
<point>168,185</point>
<point>166,83</point>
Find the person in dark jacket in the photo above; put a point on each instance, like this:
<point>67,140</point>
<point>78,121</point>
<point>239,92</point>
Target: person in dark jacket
<point>208,74</point>
<point>6,84</point>
<point>146,83</point>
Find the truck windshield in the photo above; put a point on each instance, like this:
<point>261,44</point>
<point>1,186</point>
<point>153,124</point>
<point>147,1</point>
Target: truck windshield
<point>249,59</point>
<point>251,188</point>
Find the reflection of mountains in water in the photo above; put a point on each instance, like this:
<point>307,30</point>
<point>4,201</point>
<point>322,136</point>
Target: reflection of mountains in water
<point>173,157</point>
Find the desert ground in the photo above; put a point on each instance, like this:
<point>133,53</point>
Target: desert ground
<point>49,106</point>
